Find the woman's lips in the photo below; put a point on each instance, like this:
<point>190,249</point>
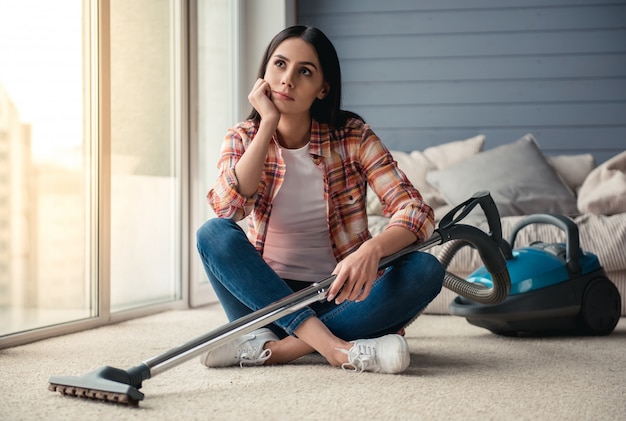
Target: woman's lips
<point>283,96</point>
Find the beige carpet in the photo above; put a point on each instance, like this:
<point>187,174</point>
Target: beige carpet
<point>457,372</point>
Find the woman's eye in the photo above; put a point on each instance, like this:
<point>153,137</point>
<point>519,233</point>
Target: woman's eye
<point>306,71</point>
<point>279,63</point>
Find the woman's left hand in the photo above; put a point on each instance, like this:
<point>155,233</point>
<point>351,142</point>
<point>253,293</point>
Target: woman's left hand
<point>355,275</point>
<point>357,272</point>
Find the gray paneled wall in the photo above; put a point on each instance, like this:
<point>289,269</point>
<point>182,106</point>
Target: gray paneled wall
<point>427,72</point>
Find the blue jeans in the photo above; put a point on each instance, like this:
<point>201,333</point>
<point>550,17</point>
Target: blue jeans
<point>244,283</point>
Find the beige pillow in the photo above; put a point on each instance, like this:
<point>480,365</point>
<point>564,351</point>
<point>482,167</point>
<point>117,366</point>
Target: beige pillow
<point>573,169</point>
<point>450,153</point>
<point>417,164</point>
<point>604,190</point>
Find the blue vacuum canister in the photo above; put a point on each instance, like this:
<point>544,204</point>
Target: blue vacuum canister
<point>556,288</point>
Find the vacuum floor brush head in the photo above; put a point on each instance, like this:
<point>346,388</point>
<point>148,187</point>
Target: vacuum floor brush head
<point>107,384</point>
<point>100,395</point>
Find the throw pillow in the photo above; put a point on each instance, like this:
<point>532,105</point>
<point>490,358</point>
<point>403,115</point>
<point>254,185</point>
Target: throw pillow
<point>519,177</point>
<point>417,164</point>
<point>604,190</point>
<point>573,169</point>
<point>446,154</point>
<point>437,158</point>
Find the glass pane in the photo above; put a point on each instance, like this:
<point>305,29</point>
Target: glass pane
<point>44,166</point>
<point>216,77</point>
<point>145,155</point>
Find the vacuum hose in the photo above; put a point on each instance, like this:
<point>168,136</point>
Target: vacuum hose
<point>493,250</point>
<point>473,291</point>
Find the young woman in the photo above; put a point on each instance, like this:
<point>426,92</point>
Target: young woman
<point>298,168</point>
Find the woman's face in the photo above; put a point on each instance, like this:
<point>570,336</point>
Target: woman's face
<point>295,77</point>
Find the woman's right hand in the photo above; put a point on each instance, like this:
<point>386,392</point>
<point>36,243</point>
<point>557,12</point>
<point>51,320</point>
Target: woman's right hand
<point>260,98</point>
<point>249,168</point>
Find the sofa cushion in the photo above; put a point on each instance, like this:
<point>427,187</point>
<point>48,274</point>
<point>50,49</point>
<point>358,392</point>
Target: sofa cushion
<point>417,164</point>
<point>519,177</point>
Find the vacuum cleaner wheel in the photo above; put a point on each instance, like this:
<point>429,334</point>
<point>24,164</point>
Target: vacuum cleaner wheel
<point>601,307</point>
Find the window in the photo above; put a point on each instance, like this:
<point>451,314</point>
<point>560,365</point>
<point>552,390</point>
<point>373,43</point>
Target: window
<point>92,129</point>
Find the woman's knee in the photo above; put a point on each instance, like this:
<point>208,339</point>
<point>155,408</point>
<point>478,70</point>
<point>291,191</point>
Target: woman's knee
<point>217,231</point>
<point>429,271</point>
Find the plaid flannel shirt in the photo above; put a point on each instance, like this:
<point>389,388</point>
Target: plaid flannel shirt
<point>349,158</point>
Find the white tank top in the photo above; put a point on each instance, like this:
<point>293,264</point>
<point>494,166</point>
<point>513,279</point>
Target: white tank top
<point>297,245</point>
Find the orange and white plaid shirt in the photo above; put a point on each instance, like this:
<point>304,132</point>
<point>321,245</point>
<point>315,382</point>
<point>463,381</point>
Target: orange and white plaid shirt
<point>349,158</point>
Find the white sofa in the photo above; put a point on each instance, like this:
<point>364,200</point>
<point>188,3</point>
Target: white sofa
<point>522,181</point>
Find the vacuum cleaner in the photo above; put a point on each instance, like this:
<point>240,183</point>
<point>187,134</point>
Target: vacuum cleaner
<point>122,386</point>
<point>556,288</point>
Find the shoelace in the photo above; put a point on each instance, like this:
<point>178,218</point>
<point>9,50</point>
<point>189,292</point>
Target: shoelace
<point>360,358</point>
<point>249,357</point>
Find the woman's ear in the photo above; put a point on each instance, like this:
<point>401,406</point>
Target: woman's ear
<point>324,91</point>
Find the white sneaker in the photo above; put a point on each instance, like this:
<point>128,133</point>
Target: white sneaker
<point>387,354</point>
<point>246,350</point>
